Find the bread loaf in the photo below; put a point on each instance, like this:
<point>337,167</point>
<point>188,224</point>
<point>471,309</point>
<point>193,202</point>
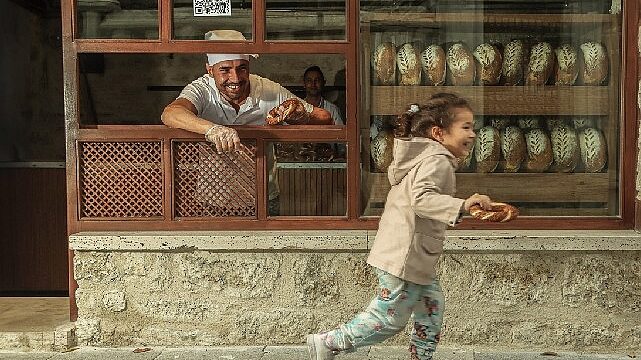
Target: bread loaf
<point>593,149</point>
<point>489,62</point>
<point>566,69</point>
<point>479,122</point>
<point>541,64</point>
<point>382,149</point>
<point>554,121</point>
<point>487,149</point>
<point>583,122</point>
<point>539,151</point>
<point>529,122</point>
<point>514,63</point>
<point>513,149</point>
<point>499,122</point>
<point>384,64</point>
<point>595,65</point>
<point>409,65</point>
<point>461,69</point>
<point>434,65</point>
<point>565,148</point>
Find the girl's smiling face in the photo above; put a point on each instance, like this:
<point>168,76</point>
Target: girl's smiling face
<point>458,138</point>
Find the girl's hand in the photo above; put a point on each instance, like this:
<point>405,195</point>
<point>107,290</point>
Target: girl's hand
<point>483,200</point>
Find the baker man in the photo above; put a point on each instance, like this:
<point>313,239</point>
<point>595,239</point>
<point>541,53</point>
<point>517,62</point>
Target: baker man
<point>314,83</point>
<point>229,95</point>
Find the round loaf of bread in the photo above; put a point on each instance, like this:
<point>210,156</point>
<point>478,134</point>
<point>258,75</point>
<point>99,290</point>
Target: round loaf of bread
<point>554,121</point>
<point>489,62</point>
<point>479,122</point>
<point>513,149</point>
<point>593,149</point>
<point>541,64</point>
<point>539,151</point>
<point>595,64</point>
<point>529,122</point>
<point>514,63</point>
<point>566,69</point>
<point>461,70</point>
<point>565,148</point>
<point>382,149</point>
<point>384,64</point>
<point>583,122</point>
<point>499,122</point>
<point>409,65</point>
<point>499,212</point>
<point>434,65</point>
<point>487,149</point>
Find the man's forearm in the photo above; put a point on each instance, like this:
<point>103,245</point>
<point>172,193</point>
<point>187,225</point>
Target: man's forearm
<point>177,116</point>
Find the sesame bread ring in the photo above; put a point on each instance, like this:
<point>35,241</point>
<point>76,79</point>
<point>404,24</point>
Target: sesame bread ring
<point>500,212</point>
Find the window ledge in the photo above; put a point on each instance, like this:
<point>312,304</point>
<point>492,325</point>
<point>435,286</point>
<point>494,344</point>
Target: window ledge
<point>354,240</point>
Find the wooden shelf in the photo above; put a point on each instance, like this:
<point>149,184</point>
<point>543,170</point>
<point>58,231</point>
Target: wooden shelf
<point>431,19</point>
<point>500,100</point>
<point>516,187</point>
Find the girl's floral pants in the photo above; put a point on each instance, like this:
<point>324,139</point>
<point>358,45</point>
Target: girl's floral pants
<point>388,314</point>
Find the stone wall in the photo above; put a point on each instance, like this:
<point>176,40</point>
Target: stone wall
<point>526,295</point>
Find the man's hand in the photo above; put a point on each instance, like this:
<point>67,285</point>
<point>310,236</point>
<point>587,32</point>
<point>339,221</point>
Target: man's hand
<point>483,200</point>
<point>291,111</point>
<point>225,138</point>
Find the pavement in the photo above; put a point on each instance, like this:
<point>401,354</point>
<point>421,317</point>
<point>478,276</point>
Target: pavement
<point>297,353</point>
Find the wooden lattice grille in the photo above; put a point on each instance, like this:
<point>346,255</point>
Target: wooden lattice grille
<point>121,179</point>
<point>208,184</point>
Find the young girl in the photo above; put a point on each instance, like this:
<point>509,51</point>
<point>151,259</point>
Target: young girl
<point>420,205</point>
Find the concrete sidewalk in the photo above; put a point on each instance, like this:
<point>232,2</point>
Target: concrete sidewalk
<point>295,353</point>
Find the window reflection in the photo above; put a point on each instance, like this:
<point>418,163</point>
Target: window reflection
<point>311,178</point>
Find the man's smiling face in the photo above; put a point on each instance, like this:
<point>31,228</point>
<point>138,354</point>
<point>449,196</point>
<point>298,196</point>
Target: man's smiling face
<point>232,79</point>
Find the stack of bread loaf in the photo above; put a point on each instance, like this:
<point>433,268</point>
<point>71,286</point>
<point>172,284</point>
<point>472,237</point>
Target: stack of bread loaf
<point>537,144</point>
<point>513,63</point>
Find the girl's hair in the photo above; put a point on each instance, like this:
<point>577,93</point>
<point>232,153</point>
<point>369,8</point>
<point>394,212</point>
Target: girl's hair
<point>437,111</point>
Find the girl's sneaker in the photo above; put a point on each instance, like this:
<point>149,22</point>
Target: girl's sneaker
<point>317,348</point>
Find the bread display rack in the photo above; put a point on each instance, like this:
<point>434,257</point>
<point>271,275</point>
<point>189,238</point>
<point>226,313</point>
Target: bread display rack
<point>560,97</point>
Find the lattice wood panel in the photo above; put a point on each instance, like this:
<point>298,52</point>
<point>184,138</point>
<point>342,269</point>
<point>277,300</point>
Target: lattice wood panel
<point>208,184</point>
<point>120,179</point>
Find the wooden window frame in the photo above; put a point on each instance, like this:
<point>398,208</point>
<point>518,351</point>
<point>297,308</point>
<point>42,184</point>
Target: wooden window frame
<point>350,50</point>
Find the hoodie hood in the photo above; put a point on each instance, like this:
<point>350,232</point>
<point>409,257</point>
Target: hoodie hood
<point>410,152</point>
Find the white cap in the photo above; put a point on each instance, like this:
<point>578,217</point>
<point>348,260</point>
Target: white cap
<point>226,35</point>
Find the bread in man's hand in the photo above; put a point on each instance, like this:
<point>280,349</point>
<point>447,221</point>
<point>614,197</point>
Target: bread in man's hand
<point>291,111</point>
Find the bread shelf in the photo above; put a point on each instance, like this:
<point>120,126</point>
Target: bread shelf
<point>500,100</point>
<point>514,187</point>
<point>431,19</point>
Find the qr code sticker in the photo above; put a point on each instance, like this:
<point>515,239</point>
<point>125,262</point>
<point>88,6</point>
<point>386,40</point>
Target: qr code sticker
<point>212,7</point>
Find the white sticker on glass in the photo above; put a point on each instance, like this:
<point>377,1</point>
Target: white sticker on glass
<point>212,7</point>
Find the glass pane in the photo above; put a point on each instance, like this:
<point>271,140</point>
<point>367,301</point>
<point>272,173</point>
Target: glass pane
<point>192,18</point>
<point>542,78</point>
<point>148,82</point>
<point>113,19</point>
<point>308,179</point>
<point>305,20</point>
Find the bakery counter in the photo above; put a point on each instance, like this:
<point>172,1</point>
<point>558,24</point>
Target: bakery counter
<point>312,189</point>
<point>520,188</point>
<point>500,100</point>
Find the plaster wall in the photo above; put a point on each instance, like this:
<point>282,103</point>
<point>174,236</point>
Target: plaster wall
<point>538,297</point>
